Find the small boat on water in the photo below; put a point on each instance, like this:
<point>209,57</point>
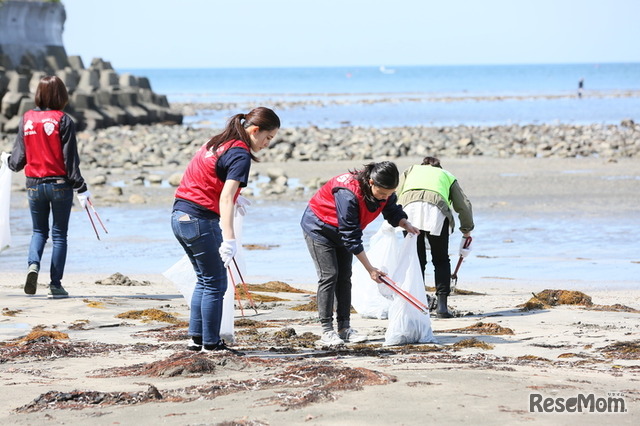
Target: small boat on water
<point>385,70</point>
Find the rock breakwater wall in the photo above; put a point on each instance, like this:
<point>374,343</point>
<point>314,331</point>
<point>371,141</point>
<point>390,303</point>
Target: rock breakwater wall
<point>31,47</point>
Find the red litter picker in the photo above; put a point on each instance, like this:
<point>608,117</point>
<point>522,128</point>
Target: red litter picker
<point>86,207</point>
<point>410,298</point>
<point>244,286</point>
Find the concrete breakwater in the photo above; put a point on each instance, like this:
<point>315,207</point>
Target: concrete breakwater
<point>31,47</point>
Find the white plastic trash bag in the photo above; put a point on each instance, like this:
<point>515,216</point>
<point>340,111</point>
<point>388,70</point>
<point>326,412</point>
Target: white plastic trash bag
<point>383,253</point>
<point>184,278</point>
<point>406,323</point>
<point>5,204</point>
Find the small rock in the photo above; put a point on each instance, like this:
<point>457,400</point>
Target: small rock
<point>98,180</point>
<point>174,179</point>
<point>137,199</point>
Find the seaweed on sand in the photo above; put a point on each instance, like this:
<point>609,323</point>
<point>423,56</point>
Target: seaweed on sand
<point>94,304</point>
<point>615,308</point>
<point>623,350</point>
<point>148,315</point>
<point>260,246</point>
<point>180,364</point>
<point>257,297</point>
<point>38,334</point>
<point>316,383</point>
<point>320,381</point>
<point>10,312</point>
<point>549,298</point>
<point>461,292</point>
<point>471,343</point>
<point>82,399</point>
<point>276,287</point>
<point>311,306</point>
<point>481,328</point>
<point>43,344</point>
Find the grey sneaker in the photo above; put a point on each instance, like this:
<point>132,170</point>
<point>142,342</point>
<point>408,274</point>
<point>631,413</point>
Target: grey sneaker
<point>57,292</point>
<point>31,284</point>
<point>330,338</point>
<point>352,336</point>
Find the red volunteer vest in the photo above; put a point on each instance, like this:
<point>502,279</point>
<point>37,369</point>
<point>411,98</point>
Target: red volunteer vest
<point>324,206</point>
<point>42,144</point>
<point>200,183</point>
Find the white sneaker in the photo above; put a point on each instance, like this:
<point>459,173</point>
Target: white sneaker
<point>352,336</point>
<point>331,338</point>
<point>194,346</point>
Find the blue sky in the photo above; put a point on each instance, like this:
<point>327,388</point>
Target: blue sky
<point>283,33</point>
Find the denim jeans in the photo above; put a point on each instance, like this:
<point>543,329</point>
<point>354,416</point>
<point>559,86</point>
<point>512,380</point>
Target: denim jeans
<point>333,265</point>
<point>54,198</point>
<point>201,239</point>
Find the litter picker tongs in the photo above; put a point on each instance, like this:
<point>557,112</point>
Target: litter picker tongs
<point>410,298</point>
<point>244,287</point>
<point>454,276</point>
<point>86,207</point>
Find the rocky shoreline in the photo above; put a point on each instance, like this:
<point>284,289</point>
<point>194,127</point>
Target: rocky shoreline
<point>154,156</point>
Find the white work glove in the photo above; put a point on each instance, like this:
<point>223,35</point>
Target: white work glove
<point>465,246</point>
<point>241,205</point>
<point>227,250</point>
<point>384,289</point>
<point>4,158</point>
<point>83,197</point>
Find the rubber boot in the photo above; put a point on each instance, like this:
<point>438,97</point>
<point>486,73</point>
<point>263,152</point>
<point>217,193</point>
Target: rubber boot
<point>443,311</point>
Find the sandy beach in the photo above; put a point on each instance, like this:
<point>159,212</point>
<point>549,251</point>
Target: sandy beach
<point>114,354</point>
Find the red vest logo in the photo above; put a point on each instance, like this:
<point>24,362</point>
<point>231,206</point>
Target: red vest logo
<point>49,127</point>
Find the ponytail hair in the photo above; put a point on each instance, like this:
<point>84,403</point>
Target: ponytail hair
<point>236,128</point>
<point>384,174</point>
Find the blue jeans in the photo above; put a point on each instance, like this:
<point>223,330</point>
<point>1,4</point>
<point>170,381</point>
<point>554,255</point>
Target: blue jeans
<point>333,265</point>
<point>200,239</point>
<point>54,198</point>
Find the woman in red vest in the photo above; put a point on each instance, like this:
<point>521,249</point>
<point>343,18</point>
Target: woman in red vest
<point>47,150</point>
<point>333,223</point>
<point>202,218</point>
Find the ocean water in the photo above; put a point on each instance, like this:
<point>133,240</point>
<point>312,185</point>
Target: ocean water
<point>411,95</point>
<point>572,251</point>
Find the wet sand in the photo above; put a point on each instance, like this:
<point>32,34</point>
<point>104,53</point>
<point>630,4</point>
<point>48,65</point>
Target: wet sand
<point>111,354</point>
<point>115,354</point>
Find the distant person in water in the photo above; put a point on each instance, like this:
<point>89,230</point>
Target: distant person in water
<point>580,87</point>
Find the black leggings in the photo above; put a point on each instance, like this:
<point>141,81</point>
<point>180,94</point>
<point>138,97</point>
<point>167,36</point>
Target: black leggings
<point>440,257</point>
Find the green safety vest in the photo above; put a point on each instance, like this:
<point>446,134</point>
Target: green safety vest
<point>429,178</point>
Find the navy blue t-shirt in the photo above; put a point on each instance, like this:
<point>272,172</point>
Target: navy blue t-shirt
<point>234,164</point>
